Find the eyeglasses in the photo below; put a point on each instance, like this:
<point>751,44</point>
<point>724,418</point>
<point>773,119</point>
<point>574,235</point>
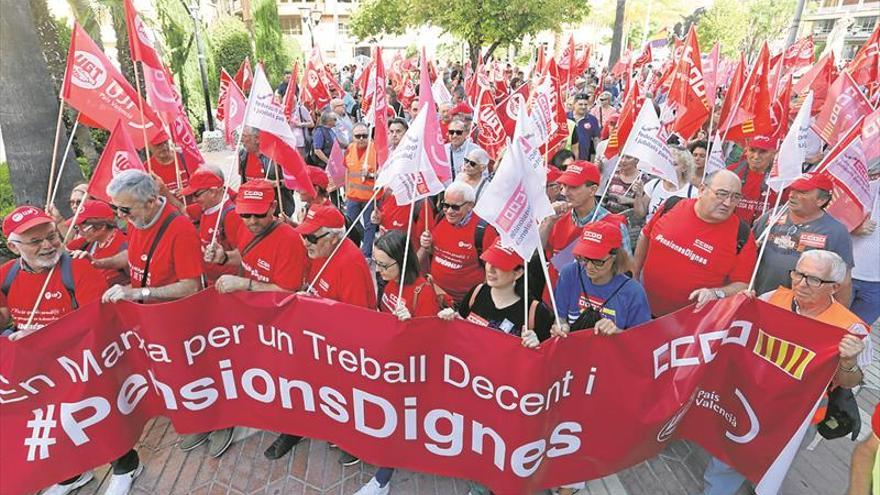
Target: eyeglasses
<point>360,136</point>
<point>121,210</point>
<point>384,266</point>
<point>813,282</point>
<point>597,263</point>
<point>35,243</point>
<point>456,132</point>
<point>723,194</point>
<point>313,239</point>
<point>452,207</point>
<point>253,215</point>
<point>471,163</point>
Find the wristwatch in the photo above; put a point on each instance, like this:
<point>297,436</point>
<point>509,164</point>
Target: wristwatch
<point>719,294</point>
<point>145,293</point>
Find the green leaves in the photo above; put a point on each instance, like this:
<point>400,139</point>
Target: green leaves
<point>268,40</point>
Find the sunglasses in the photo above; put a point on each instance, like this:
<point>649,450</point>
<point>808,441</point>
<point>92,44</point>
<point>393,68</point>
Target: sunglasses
<point>313,239</point>
<point>121,210</point>
<point>360,136</point>
<point>253,215</point>
<point>455,132</point>
<point>452,207</point>
<point>471,163</point>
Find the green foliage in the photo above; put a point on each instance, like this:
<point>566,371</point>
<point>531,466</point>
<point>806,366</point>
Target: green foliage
<point>268,40</point>
<point>744,24</point>
<point>230,44</point>
<point>294,52</point>
<point>481,23</point>
<point>123,52</point>
<point>84,167</point>
<point>7,203</point>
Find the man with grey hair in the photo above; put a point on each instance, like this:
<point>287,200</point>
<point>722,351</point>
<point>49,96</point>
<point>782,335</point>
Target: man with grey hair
<point>805,226</point>
<point>453,246</point>
<point>474,170</point>
<point>254,165</point>
<point>344,124</point>
<point>815,280</point>
<point>460,142</point>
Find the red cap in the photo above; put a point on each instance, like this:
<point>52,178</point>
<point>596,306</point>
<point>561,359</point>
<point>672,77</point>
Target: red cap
<point>321,216</point>
<point>254,197</point>
<point>461,108</point>
<point>24,218</point>
<point>95,210</point>
<point>808,182</point>
<point>200,180</point>
<point>597,240</point>
<point>580,172</point>
<point>553,174</point>
<point>318,177</point>
<point>762,142</point>
<point>501,257</point>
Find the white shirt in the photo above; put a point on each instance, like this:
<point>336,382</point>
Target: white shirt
<point>658,194</point>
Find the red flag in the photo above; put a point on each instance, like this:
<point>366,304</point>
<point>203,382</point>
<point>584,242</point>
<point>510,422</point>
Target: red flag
<point>225,79</point>
<point>780,110</point>
<point>119,154</point>
<point>871,136</point>
<point>733,89</point>
<point>182,135</point>
<point>508,108</point>
<point>330,81</point>
<point>245,76</point>
<point>407,94</point>
<point>380,110</point>
<point>646,57</point>
<point>100,92</point>
<point>234,105</point>
<point>395,70</point>
<point>799,55</point>
<point>688,91</point>
<point>775,73</point>
<point>710,75</point>
<point>558,109</point>
<point>540,62</point>
<point>632,105</point>
<point>363,81</point>
<point>491,134</point>
<point>141,40</point>
<point>751,117</point>
<point>621,65</point>
<point>432,139</point>
<point>844,106</point>
<point>314,93</point>
<point>583,62</point>
<point>865,66</point>
<point>818,79</point>
<point>290,95</point>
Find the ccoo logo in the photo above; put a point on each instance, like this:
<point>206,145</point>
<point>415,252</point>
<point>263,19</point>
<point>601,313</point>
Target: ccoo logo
<point>88,70</point>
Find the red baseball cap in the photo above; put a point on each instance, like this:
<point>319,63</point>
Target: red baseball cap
<point>580,172</point>
<point>200,180</point>
<point>24,218</point>
<point>808,182</point>
<point>254,197</point>
<point>95,210</point>
<point>762,142</point>
<point>318,177</point>
<point>461,108</point>
<point>321,216</point>
<point>553,174</point>
<point>597,240</point>
<point>501,257</point>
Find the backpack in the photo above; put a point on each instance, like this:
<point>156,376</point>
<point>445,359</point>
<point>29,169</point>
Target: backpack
<point>66,278</point>
<point>742,230</point>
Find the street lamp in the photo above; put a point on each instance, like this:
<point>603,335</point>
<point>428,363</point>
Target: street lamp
<point>312,17</point>
<point>193,11</point>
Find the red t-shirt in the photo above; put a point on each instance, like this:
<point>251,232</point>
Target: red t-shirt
<point>754,192</point>
<point>426,302</point>
<point>280,258</point>
<point>347,277</point>
<point>455,265</point>
<point>253,168</point>
<point>178,255</point>
<point>88,286</point>
<point>115,244</point>
<point>168,173</point>
<point>875,421</point>
<point>396,217</point>
<point>686,253</point>
<point>229,232</point>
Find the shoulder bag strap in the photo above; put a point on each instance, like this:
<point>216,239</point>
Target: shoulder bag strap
<point>162,228</point>
<point>259,237</point>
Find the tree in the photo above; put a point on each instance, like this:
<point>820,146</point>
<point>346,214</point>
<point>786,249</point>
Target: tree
<point>30,103</point>
<point>268,40</point>
<point>123,52</point>
<point>230,44</point>
<point>617,38</point>
<point>744,24</point>
<point>480,23</point>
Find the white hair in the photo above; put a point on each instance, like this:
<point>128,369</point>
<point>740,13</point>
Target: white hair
<point>335,232</point>
<point>467,192</point>
<point>833,263</point>
<point>138,183</point>
<point>478,155</point>
<point>684,157</point>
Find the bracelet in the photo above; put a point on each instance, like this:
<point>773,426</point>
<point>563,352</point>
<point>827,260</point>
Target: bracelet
<point>225,258</point>
<point>851,369</point>
<point>250,284</point>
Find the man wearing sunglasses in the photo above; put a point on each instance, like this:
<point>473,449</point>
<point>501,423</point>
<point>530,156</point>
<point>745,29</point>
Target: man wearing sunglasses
<point>815,281</point>
<point>460,142</point>
<point>696,249</point>
<point>99,238</point>
<point>360,179</point>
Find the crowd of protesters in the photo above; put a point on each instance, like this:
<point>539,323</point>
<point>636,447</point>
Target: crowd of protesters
<point>623,247</point>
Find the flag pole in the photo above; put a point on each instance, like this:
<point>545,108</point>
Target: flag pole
<point>406,249</point>
<point>226,182</point>
<point>63,162</point>
<point>177,173</point>
<point>526,293</point>
<point>767,228</point>
<point>55,146</point>
<point>137,81</point>
<point>607,187</point>
<point>311,287</point>
<point>543,258</point>
<point>709,141</point>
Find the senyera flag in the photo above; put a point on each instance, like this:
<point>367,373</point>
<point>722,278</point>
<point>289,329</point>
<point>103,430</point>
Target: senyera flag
<point>119,154</point>
<point>844,106</point>
<point>94,86</point>
<point>276,139</point>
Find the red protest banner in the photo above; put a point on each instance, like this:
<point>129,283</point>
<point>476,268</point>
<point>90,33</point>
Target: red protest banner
<point>738,377</point>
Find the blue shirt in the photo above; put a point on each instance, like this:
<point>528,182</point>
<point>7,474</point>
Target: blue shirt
<point>585,131</point>
<point>628,308</point>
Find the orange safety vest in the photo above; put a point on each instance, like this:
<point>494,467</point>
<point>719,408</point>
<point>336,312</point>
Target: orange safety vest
<point>837,315</point>
<point>358,186</point>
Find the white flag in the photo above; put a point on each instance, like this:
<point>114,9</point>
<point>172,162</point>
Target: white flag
<point>515,201</point>
<point>408,171</point>
<point>646,143</point>
<point>441,94</point>
<point>793,150</point>
<point>715,160</point>
<point>264,113</point>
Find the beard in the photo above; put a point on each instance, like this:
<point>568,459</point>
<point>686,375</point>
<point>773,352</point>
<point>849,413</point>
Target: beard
<point>44,262</point>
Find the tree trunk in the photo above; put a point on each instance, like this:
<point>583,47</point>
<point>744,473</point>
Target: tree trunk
<point>85,14</point>
<point>617,38</point>
<point>474,53</point>
<point>30,107</point>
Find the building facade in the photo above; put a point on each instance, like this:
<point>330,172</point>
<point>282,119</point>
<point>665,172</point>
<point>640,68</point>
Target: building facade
<point>843,24</point>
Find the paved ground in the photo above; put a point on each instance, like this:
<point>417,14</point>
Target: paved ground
<point>312,468</point>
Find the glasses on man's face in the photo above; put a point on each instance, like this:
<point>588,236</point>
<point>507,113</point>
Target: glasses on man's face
<point>811,281</point>
<point>121,210</point>
<point>35,243</point>
<point>313,239</point>
<point>471,163</point>
<point>383,266</point>
<point>456,132</point>
<point>724,194</point>
<point>445,206</point>
<point>360,136</point>
<point>597,263</point>
<point>252,215</point>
